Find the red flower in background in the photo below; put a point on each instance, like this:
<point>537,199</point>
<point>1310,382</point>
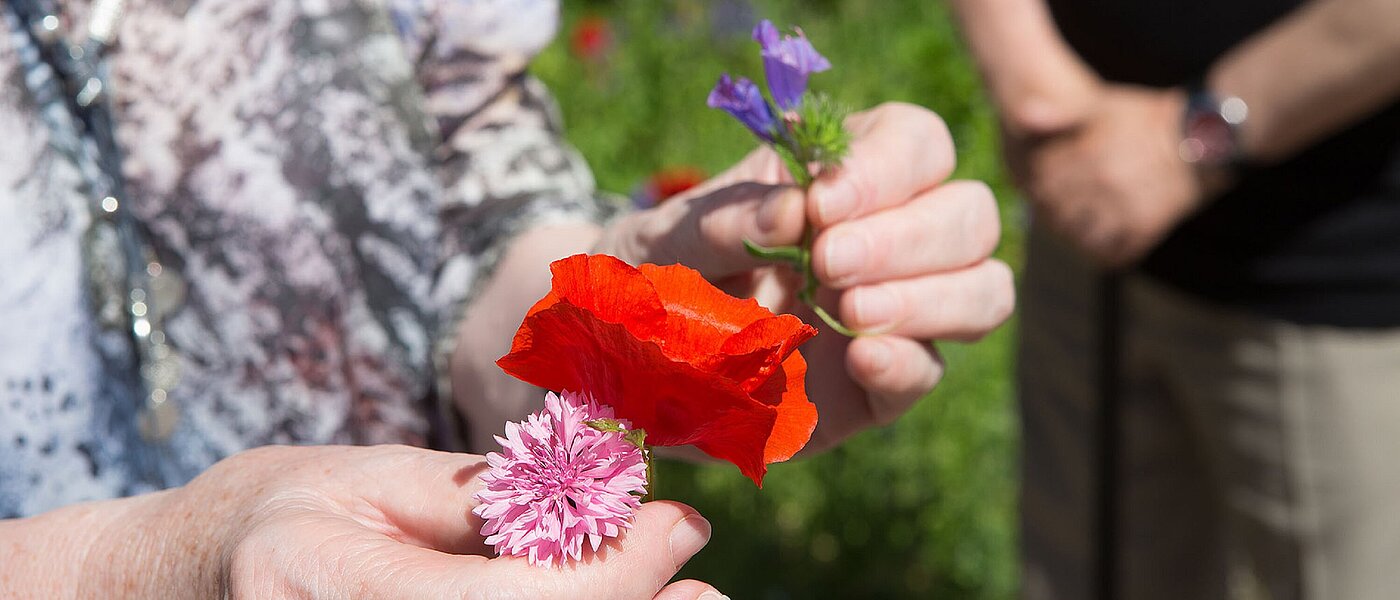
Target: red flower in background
<point>674,180</point>
<point>674,355</point>
<point>666,183</point>
<point>592,38</point>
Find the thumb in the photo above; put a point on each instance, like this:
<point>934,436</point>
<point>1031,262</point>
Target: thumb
<point>707,232</point>
<point>637,565</point>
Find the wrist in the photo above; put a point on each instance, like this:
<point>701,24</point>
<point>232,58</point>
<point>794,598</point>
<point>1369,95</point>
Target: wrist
<point>90,550</point>
<point>146,549</point>
<point>1211,142</point>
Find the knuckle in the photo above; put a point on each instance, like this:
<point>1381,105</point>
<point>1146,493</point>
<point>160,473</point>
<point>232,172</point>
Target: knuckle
<point>711,229</point>
<point>985,224</point>
<point>989,300</point>
<point>980,223</point>
<point>260,454</point>
<point>937,140</point>
<point>905,112</point>
<point>1001,302</point>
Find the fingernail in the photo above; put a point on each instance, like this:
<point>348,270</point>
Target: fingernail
<point>875,308</point>
<point>713,595</point>
<point>688,537</point>
<point>770,213</point>
<point>835,199</point>
<point>845,256</point>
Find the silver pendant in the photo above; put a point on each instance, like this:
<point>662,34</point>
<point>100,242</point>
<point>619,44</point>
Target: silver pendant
<point>159,418</point>
<point>160,364</point>
<point>106,274</point>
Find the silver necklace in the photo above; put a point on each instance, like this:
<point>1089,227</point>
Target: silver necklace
<point>130,288</point>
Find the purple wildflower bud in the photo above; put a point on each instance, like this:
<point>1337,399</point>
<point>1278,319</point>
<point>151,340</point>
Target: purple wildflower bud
<point>787,61</point>
<point>742,99</point>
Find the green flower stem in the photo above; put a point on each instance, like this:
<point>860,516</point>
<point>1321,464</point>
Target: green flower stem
<point>815,135</point>
<point>800,256</point>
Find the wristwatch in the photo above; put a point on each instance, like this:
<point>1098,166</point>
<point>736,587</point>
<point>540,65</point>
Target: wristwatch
<point>1210,131</point>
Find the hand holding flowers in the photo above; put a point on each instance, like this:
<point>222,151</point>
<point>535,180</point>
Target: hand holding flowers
<point>901,254</point>
<point>686,364</point>
<point>328,522</point>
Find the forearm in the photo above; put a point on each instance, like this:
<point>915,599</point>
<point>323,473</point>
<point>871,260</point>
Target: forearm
<point>109,549</point>
<point>1324,67</point>
<point>485,395</point>
<point>1034,77</point>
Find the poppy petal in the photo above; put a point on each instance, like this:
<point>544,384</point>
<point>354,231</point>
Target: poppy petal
<point>565,348</point>
<point>674,355</point>
<point>614,290</point>
<point>797,416</point>
<point>699,314</point>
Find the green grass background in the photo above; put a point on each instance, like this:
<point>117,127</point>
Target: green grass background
<point>923,508</point>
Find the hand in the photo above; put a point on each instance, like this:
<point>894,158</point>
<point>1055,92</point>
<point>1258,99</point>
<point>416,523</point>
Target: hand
<point>1108,179</point>
<point>378,522</point>
<point>903,255</point>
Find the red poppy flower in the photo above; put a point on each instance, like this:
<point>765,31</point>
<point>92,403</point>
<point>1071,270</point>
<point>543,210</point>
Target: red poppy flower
<point>674,355</point>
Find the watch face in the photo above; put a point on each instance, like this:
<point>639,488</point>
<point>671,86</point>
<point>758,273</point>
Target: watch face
<point>1208,138</point>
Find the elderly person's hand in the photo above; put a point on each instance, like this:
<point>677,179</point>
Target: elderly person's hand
<point>1108,178</point>
<point>903,253</point>
<point>327,522</point>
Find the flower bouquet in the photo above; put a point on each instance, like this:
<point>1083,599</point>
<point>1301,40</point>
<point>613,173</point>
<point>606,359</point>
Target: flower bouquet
<point>640,357</point>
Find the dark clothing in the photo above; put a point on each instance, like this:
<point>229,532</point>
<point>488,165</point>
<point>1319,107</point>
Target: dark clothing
<point>1315,239</point>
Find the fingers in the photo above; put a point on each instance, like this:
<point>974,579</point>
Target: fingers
<point>899,150</point>
<point>895,372</point>
<point>690,589</point>
<point>637,565</point>
<point>949,227</point>
<point>426,496</point>
<point>961,305</point>
<point>707,232</point>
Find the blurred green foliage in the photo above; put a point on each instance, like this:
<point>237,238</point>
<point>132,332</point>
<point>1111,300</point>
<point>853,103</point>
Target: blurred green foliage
<point>920,509</point>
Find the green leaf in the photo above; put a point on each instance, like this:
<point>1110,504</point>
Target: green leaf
<point>638,438</point>
<point>608,425</point>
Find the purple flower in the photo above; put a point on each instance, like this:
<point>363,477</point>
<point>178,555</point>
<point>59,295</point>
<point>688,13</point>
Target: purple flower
<point>787,62</point>
<point>558,481</point>
<point>742,99</point>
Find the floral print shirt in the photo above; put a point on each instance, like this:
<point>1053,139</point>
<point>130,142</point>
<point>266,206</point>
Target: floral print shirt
<point>328,177</point>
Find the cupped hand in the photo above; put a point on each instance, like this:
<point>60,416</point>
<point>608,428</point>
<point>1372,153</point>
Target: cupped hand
<point>1108,178</point>
<point>902,253</point>
<point>383,522</point>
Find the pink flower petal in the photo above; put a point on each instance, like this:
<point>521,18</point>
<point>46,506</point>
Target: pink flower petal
<point>558,482</point>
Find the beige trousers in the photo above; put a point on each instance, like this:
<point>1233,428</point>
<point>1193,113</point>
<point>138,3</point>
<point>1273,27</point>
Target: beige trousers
<point>1257,459</point>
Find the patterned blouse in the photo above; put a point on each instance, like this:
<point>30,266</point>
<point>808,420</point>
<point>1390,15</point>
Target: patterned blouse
<point>327,177</point>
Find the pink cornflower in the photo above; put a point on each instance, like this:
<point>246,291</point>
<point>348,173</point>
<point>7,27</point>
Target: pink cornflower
<point>558,480</point>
